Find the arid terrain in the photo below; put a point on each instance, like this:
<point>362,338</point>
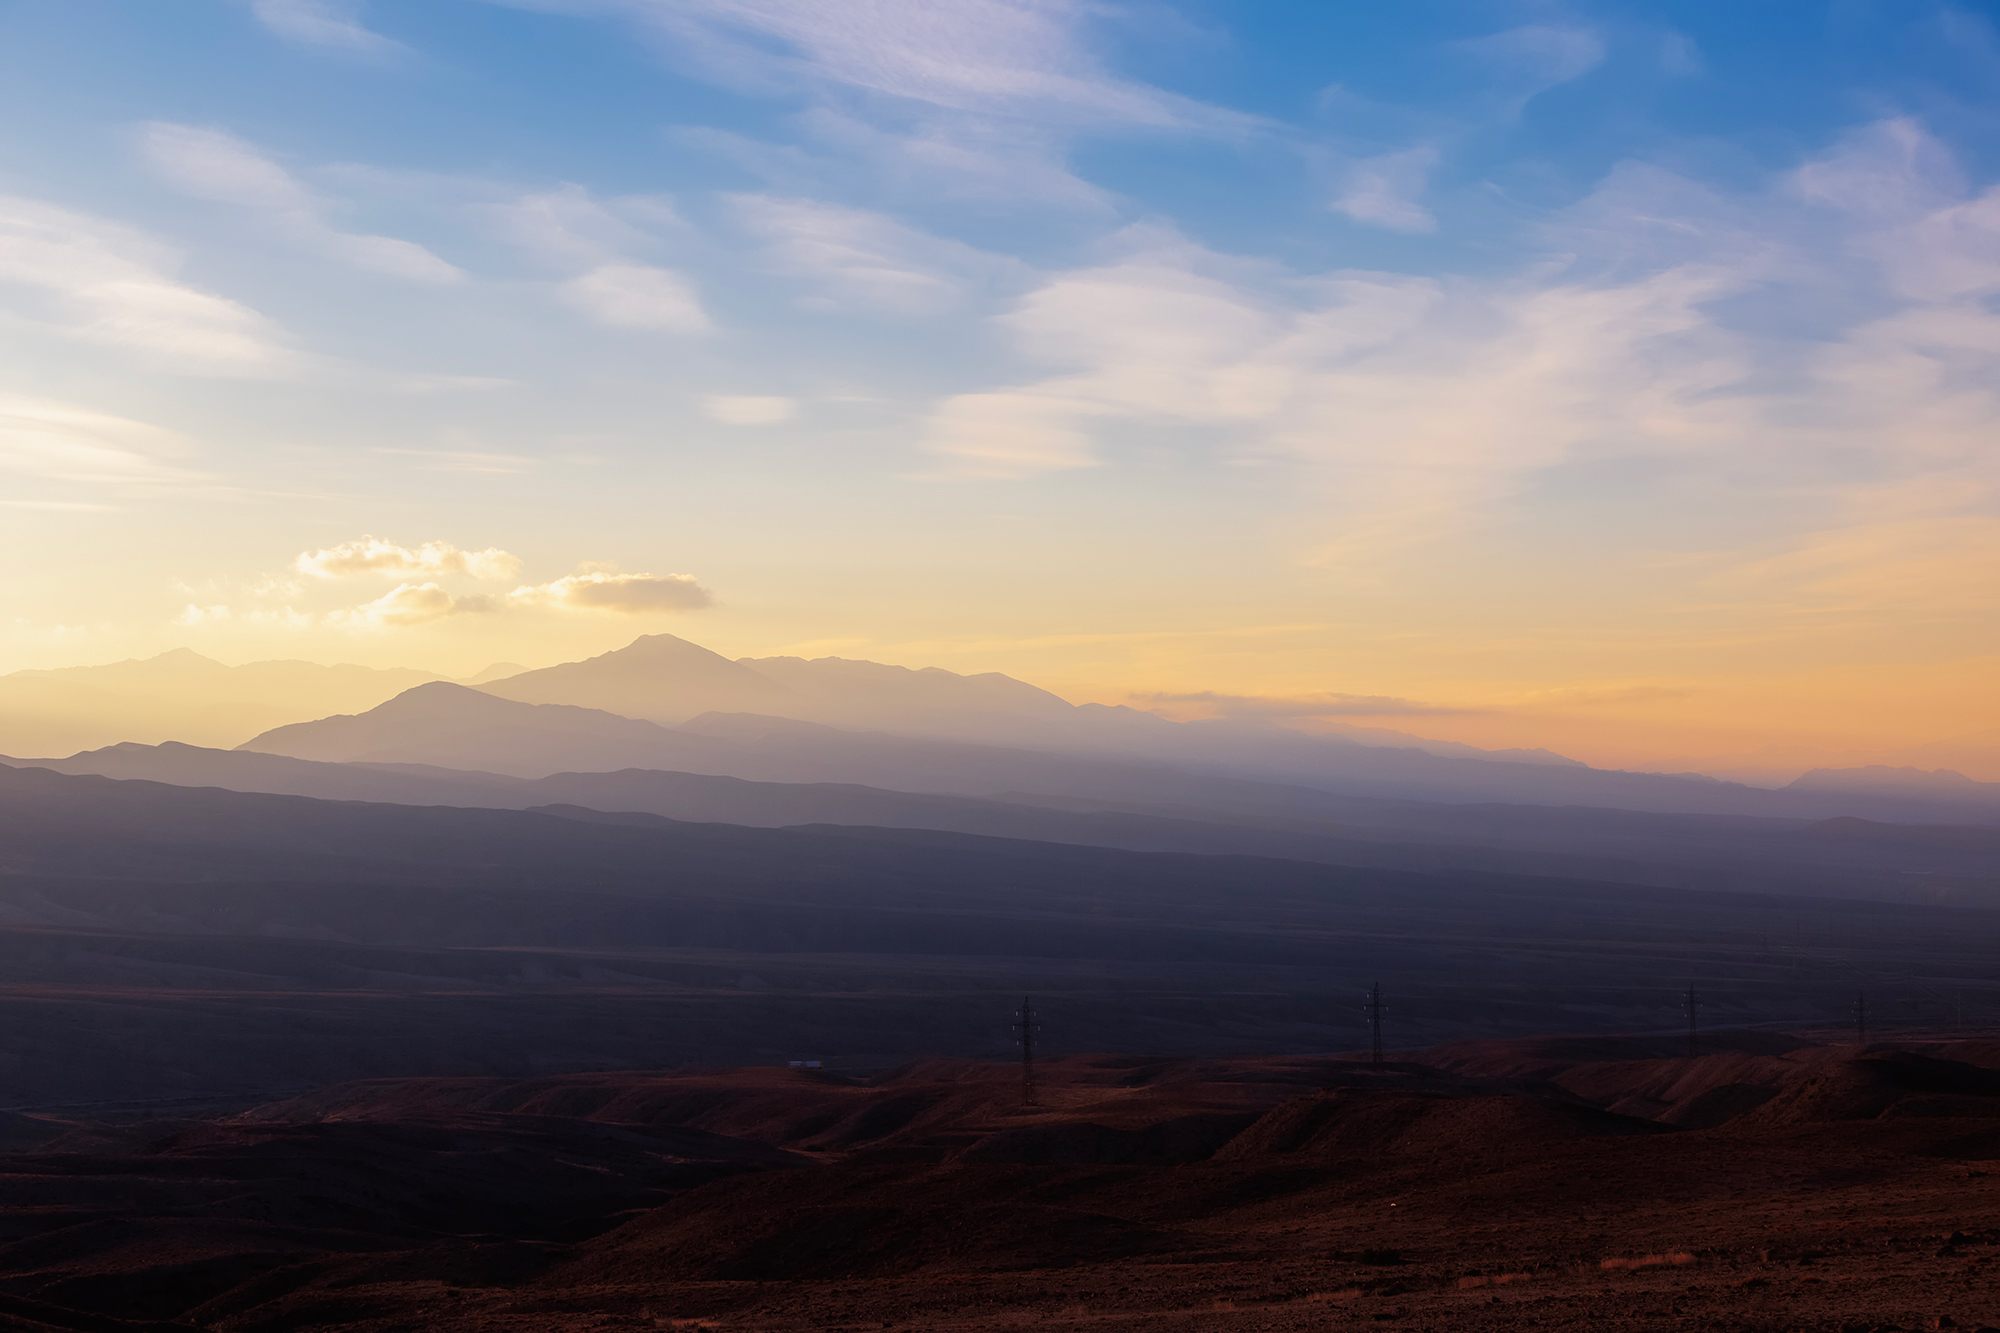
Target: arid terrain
<point>1596,1182</point>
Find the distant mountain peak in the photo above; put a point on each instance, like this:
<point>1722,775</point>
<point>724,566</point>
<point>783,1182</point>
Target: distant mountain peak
<point>1888,777</point>
<point>496,671</point>
<point>173,662</point>
<point>435,693</point>
<point>659,677</point>
<point>663,647</point>
<point>472,729</point>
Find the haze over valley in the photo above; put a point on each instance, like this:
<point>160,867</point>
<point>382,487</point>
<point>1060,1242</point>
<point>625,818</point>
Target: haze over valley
<point>624,827</point>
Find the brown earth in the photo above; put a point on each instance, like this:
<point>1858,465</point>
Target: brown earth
<point>1592,1182</point>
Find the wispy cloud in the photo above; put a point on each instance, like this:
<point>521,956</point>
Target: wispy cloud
<point>1023,58</point>
<point>1657,328</point>
<point>854,258</point>
<point>1423,397</point>
<point>58,442</point>
<point>1531,59</point>
<point>603,244</point>
<point>209,164</point>
<point>1387,191</point>
<point>573,227</point>
<point>100,282</point>
<point>979,98</point>
<point>638,296</point>
<point>329,23</point>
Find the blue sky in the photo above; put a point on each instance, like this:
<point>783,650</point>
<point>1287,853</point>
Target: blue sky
<point>1525,356</point>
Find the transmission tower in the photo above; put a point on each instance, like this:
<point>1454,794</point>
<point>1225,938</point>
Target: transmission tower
<point>1694,1019</point>
<point>1374,1009</point>
<point>1861,1017</point>
<point>1025,1024</point>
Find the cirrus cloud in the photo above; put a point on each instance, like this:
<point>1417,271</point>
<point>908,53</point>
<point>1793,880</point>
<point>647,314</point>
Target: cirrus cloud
<point>1028,59</point>
<point>322,23</point>
<point>66,445</point>
<point>209,164</point>
<point>638,296</point>
<point>111,285</point>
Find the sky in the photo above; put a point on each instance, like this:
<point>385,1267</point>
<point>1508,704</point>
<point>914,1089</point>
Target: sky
<point>1615,377</point>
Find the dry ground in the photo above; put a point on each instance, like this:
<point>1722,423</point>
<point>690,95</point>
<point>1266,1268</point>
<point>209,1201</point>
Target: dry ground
<point>1595,1183</point>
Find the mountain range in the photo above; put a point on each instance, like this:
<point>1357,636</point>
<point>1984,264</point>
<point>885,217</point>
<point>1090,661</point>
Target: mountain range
<point>1196,765</point>
<point>666,705</point>
<point>181,696</point>
<point>158,938</point>
<point>1843,857</point>
<point>668,680</point>
<point>451,879</point>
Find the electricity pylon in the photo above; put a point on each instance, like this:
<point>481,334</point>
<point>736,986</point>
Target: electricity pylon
<point>1025,1024</point>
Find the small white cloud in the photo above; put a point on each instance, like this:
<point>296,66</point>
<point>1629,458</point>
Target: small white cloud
<point>409,604</point>
<point>203,615</point>
<point>748,411</point>
<point>322,23</point>
<point>638,296</point>
<point>1383,191</point>
<point>371,555</point>
<point>392,257</point>
<point>632,594</point>
<point>209,164</point>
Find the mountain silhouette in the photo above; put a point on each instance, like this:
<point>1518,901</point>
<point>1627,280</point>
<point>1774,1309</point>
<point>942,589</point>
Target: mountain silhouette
<point>458,727</point>
<point>656,677</point>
